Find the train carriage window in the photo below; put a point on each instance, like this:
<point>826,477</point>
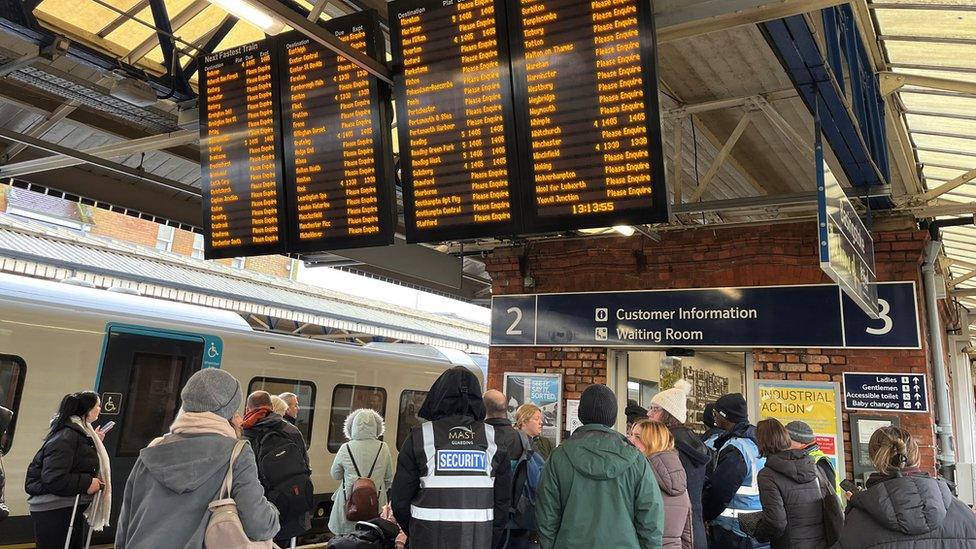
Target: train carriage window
<point>12,370</point>
<point>346,398</point>
<point>410,403</point>
<point>306,398</point>
<point>153,397</point>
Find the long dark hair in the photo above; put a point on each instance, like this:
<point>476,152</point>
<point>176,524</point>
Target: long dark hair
<point>75,404</point>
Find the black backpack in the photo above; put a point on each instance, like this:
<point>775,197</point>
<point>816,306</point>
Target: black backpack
<point>372,534</point>
<point>284,474</point>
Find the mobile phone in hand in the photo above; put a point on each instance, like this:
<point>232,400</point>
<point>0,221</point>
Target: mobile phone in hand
<point>849,486</point>
<point>107,427</point>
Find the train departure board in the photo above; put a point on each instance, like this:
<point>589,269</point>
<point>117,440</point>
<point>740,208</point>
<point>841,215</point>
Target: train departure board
<point>585,93</point>
<point>243,198</point>
<point>338,156</point>
<point>455,124</point>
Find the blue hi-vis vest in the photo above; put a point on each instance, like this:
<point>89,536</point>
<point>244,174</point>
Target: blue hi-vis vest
<point>746,498</point>
<point>710,441</point>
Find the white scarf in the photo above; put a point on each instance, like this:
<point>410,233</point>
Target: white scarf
<point>100,510</point>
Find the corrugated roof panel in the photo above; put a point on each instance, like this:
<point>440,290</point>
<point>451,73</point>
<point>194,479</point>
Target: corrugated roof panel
<point>933,54</point>
<point>944,124</point>
<point>84,14</point>
<point>132,33</point>
<point>180,273</point>
<point>945,159</point>
<point>938,23</point>
<point>242,33</point>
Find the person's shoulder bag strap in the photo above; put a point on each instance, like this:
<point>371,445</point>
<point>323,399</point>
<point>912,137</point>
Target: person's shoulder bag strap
<point>227,486</point>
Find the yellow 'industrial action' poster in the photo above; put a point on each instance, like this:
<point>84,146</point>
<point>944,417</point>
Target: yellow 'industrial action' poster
<point>817,404</point>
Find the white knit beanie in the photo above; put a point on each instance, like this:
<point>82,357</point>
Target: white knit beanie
<point>675,400</point>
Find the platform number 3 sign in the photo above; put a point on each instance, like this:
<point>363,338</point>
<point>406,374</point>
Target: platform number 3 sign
<point>883,316</point>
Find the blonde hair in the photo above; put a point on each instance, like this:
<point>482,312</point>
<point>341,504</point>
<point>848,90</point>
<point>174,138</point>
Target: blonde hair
<point>278,405</point>
<point>524,413</point>
<point>655,436</point>
<point>892,449</point>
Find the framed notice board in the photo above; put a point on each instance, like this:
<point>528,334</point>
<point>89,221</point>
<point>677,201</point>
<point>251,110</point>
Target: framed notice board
<point>862,427</point>
<point>454,119</point>
<point>587,114</point>
<point>243,196</point>
<point>337,144</point>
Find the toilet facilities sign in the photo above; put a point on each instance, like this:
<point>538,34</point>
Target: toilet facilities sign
<point>886,392</point>
<point>818,315</point>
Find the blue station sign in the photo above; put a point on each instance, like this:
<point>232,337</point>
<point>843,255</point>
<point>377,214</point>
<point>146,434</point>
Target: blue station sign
<point>818,315</point>
<point>885,392</point>
<point>846,245</point>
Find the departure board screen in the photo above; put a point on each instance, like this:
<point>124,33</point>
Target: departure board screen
<point>587,110</point>
<point>338,157</point>
<point>243,198</point>
<point>455,125</point>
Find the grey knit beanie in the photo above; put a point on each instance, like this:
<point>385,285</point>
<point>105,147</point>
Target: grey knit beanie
<point>598,405</point>
<point>800,432</point>
<point>212,390</point>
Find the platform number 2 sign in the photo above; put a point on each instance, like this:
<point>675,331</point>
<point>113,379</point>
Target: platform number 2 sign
<point>513,329</point>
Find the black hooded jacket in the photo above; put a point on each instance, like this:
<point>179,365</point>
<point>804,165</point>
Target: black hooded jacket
<point>694,457</point>
<point>913,511</point>
<point>793,502</point>
<point>454,397</point>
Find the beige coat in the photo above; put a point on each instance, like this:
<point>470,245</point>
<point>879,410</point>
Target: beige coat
<point>673,482</point>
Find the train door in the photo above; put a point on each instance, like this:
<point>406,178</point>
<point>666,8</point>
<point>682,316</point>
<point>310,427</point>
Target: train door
<point>141,376</point>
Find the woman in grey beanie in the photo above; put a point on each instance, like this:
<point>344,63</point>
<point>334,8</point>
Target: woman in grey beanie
<point>179,474</point>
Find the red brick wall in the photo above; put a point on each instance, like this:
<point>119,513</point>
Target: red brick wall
<point>124,227</point>
<point>750,256</point>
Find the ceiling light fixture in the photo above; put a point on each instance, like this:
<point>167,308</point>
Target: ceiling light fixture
<point>255,15</point>
<point>625,230</point>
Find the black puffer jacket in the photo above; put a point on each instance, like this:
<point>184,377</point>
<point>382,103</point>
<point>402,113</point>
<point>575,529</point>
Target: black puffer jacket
<point>792,502</point>
<point>694,457</point>
<point>907,512</point>
<point>65,465</point>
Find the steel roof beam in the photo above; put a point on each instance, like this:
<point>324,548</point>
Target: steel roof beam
<point>947,187</point>
<point>706,16</point>
<point>928,39</point>
<point>892,82</point>
<point>938,68</point>
<point>920,6</point>
<point>721,156</point>
<point>315,32</point>
<point>39,129</point>
<point>120,20</point>
<point>946,151</point>
<point>945,134</point>
<point>124,148</point>
<point>167,43</point>
<point>942,115</point>
<point>214,40</point>
<point>169,184</point>
<point>180,19</point>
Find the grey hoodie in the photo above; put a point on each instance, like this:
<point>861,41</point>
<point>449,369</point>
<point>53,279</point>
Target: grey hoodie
<point>166,496</point>
<point>673,482</point>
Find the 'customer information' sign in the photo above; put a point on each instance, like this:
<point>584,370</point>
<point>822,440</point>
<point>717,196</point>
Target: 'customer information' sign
<point>819,315</point>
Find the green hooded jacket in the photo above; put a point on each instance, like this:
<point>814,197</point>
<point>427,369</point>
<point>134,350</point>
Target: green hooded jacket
<point>597,490</point>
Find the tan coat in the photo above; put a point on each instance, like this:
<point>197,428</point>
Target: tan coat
<point>673,482</point>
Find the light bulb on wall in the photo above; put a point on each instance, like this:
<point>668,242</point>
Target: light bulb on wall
<point>255,15</point>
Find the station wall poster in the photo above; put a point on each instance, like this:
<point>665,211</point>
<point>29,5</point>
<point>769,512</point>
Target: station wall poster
<point>543,390</point>
<point>815,403</point>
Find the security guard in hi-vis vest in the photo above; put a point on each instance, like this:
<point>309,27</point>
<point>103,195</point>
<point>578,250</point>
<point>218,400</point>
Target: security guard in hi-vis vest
<point>452,484</point>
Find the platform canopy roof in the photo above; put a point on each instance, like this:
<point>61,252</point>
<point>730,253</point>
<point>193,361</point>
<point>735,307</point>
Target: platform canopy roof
<point>928,55</point>
<point>738,137</point>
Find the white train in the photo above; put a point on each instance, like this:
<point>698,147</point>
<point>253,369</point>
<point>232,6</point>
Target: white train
<point>137,353</point>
